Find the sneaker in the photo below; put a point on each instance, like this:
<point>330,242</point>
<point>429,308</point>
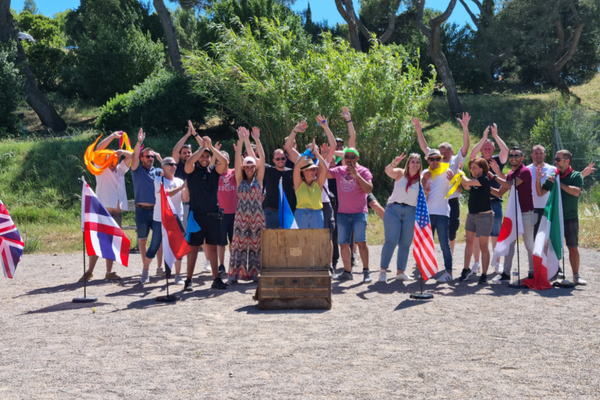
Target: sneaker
<point>112,276</point>
<point>499,268</point>
<point>502,278</point>
<point>160,271</point>
<point>530,275</point>
<point>445,277</point>
<point>382,276</point>
<point>465,274</point>
<point>188,285</point>
<point>578,281</point>
<point>178,280</point>
<point>207,265</point>
<point>344,276</point>
<point>475,268</point>
<point>367,276</point>
<point>145,276</point>
<point>560,274</point>
<point>403,277</point>
<point>483,279</point>
<point>222,272</point>
<point>218,284</point>
<point>86,277</point>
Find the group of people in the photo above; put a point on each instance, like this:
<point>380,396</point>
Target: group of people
<point>327,188</point>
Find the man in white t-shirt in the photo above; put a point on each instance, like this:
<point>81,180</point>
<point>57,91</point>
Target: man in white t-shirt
<point>538,154</point>
<point>436,182</point>
<point>110,189</point>
<point>456,162</point>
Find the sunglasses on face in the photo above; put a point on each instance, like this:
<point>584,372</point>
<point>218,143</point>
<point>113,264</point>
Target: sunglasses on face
<point>280,158</point>
<point>514,156</point>
<point>435,159</point>
<point>149,156</point>
<point>558,159</point>
<point>349,156</point>
<point>171,164</point>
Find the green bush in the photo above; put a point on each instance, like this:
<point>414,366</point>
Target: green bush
<point>161,104</point>
<point>114,62</point>
<point>46,63</point>
<point>12,90</point>
<point>272,78</point>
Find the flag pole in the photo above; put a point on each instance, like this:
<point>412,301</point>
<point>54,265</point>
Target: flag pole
<point>421,296</point>
<point>518,284</point>
<point>168,298</point>
<point>84,299</point>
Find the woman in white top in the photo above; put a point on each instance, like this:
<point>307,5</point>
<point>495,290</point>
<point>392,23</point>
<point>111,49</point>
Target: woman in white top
<point>399,216</point>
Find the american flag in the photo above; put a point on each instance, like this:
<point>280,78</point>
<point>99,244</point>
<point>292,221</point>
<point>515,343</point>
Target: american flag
<point>11,244</point>
<point>423,250</point>
<point>103,237</point>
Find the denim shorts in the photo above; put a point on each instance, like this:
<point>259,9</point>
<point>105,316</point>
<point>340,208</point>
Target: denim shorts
<point>143,222</point>
<point>309,219</point>
<point>346,223</point>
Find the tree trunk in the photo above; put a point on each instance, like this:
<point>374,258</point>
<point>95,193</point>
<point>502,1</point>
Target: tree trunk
<point>562,53</point>
<point>433,33</point>
<point>167,23</point>
<point>350,20</point>
<point>35,98</point>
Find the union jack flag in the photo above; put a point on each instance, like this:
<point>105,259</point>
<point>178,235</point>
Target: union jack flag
<point>11,244</point>
<point>103,237</point>
<point>423,250</point>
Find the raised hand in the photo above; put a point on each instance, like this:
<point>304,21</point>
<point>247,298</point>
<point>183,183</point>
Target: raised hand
<point>449,174</point>
<point>588,170</point>
<point>301,126</point>
<point>398,160</point>
<point>242,133</point>
<point>428,186</point>
<point>417,124</point>
<point>486,133</point>
<point>321,121</point>
<point>465,120</point>
<point>207,142</point>
<point>351,169</point>
<point>141,136</point>
<point>325,149</point>
<point>218,146</point>
<point>255,133</point>
<point>495,131</point>
<point>315,148</point>
<point>346,113</point>
<point>118,134</point>
<point>494,165</point>
<point>191,128</point>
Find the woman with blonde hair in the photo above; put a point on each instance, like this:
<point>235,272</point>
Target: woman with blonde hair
<point>399,216</point>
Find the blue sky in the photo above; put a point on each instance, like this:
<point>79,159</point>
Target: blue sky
<point>321,9</point>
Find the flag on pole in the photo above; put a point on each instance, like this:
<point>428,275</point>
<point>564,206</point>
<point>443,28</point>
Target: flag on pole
<point>508,231</point>
<point>423,249</point>
<point>548,248</point>
<point>11,244</point>
<point>173,240</point>
<point>286,217</point>
<point>103,237</point>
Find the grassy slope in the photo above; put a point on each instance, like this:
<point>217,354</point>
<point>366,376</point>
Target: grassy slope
<point>40,187</point>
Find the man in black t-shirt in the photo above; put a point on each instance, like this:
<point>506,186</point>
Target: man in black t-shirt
<point>203,184</point>
<point>271,184</point>
<point>487,148</point>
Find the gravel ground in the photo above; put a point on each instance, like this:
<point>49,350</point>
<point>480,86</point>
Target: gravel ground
<point>470,341</point>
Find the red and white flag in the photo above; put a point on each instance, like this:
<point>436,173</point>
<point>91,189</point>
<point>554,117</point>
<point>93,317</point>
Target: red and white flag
<point>508,231</point>
<point>423,249</point>
<point>173,240</point>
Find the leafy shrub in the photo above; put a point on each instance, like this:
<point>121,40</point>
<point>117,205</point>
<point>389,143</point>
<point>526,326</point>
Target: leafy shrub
<point>115,61</point>
<point>45,63</point>
<point>272,78</point>
<point>162,104</point>
<point>12,90</point>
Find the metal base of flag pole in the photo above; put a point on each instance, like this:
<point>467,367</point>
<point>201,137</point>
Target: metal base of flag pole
<point>171,298</point>
<point>85,299</point>
<point>564,284</point>
<point>518,285</point>
<point>421,296</point>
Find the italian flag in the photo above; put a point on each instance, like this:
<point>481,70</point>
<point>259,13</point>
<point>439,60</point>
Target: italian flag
<point>548,247</point>
<point>508,231</point>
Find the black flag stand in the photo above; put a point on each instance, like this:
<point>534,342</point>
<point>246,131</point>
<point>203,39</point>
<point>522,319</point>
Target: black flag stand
<point>518,284</point>
<point>565,283</point>
<point>169,298</point>
<point>84,299</point>
<point>421,296</point>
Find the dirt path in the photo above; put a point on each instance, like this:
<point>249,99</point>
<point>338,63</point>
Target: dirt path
<point>468,342</point>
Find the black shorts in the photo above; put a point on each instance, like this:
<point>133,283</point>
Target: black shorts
<point>227,229</point>
<point>572,232</point>
<point>370,198</point>
<point>454,218</point>
<point>210,231</point>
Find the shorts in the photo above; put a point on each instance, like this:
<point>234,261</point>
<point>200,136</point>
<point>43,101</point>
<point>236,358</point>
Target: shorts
<point>497,209</point>
<point>480,223</point>
<point>210,231</point>
<point>347,223</point>
<point>143,222</point>
<point>329,221</point>
<point>227,229</point>
<point>371,198</point>
<point>454,218</point>
<point>309,219</point>
<point>572,232</point>
<point>118,217</point>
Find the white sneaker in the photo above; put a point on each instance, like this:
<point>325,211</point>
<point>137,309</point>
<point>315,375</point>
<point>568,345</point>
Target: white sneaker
<point>475,268</point>
<point>445,277</point>
<point>382,276</point>
<point>403,277</point>
<point>145,276</point>
<point>207,266</point>
<point>499,268</point>
<point>178,280</point>
<point>578,281</point>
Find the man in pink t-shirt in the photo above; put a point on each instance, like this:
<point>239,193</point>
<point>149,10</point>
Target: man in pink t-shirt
<point>227,195</point>
<point>353,183</point>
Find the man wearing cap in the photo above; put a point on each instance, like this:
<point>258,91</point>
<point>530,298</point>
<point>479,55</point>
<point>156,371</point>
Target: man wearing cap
<point>353,185</point>
<point>436,182</point>
<point>455,162</point>
<point>203,185</point>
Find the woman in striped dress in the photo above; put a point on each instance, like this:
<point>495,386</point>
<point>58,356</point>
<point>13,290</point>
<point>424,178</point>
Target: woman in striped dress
<point>244,262</point>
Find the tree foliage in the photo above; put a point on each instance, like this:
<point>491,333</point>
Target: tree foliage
<point>272,79</point>
<point>12,90</point>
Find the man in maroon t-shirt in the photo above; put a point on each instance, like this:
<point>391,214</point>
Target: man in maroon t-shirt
<point>522,176</point>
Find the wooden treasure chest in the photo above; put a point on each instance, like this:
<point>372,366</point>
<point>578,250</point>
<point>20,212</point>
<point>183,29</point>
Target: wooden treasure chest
<point>294,269</point>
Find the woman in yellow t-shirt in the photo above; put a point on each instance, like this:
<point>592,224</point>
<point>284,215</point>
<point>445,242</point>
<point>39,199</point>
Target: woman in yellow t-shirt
<point>309,179</point>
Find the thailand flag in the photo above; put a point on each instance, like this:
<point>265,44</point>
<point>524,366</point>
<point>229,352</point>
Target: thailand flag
<point>423,249</point>
<point>173,240</point>
<point>286,217</point>
<point>103,237</point>
<point>11,244</point>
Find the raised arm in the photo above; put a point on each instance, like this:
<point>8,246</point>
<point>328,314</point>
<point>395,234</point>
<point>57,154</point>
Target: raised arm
<point>221,168</point>
<point>296,175</point>
<point>422,142</point>
<point>292,153</point>
<point>213,160</point>
<point>464,122</point>
<point>260,163</point>
<point>103,144</point>
<point>238,155</point>
<point>392,171</point>
<point>181,142</point>
<point>503,147</point>
<point>126,156</point>
<point>330,138</point>
<point>190,164</point>
<point>351,131</point>
<point>479,145</point>
<point>135,162</point>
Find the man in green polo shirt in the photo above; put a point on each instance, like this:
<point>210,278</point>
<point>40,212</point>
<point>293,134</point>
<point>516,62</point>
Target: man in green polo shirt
<point>571,183</point>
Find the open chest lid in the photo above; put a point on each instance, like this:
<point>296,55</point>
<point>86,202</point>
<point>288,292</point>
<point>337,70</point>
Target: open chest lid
<point>295,249</point>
